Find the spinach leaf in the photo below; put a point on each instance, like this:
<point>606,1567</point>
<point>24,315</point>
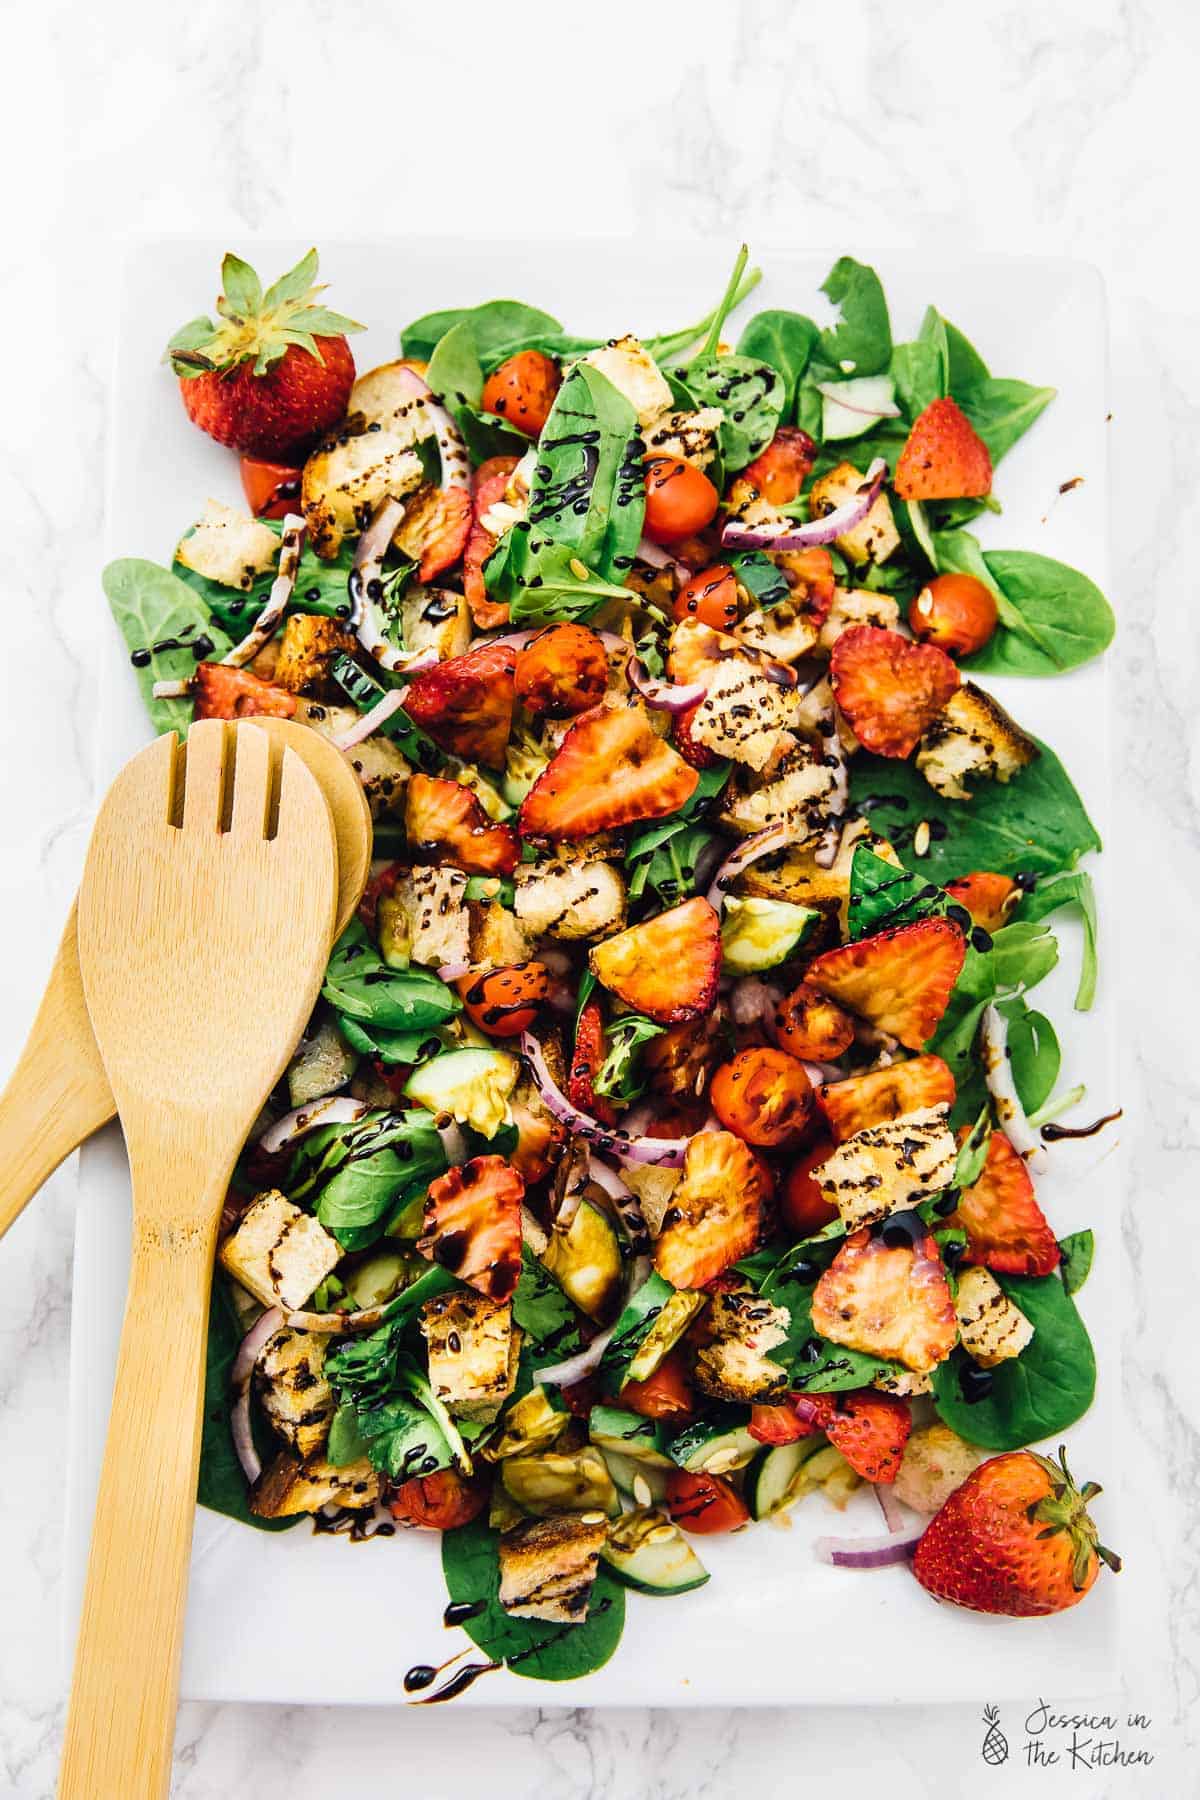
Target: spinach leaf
<point>346,1443</point>
<point>359,1174</point>
<point>921,370</point>
<point>966,367</point>
<point>1052,617</point>
<point>529,1647</point>
<point>389,1046</point>
<point>618,1077</point>
<point>863,335</point>
<point>1034,824</point>
<point>403,1439</point>
<point>883,896</point>
<point>762,579</point>
<point>545,1315</point>
<point>1018,957</point>
<point>1033,1051</point>
<point>167,631</point>
<point>1074,889</point>
<point>786,341</point>
<point>361,986</point>
<point>960,552</point>
<point>973,1151</point>
<point>751,397</point>
<point>588,491</point>
<point>1077,1252</point>
<point>496,326</point>
<point>554,590</point>
<point>222,1485</point>
<point>1037,1394</point>
<point>670,865</point>
<point>320,588</point>
<point>456,377</point>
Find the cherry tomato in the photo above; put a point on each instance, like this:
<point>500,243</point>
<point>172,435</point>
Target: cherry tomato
<point>680,499</point>
<point>805,1209</point>
<point>504,1002</point>
<point>271,489</point>
<point>521,391</point>
<point>563,670</point>
<point>667,1394</point>
<point>711,597</point>
<point>440,1502</point>
<point>955,612</point>
<point>812,1027</point>
<point>777,1425</point>
<point>780,471</point>
<point>581,1396</point>
<point>704,1503</point>
<point>987,897</point>
<point>765,1097</point>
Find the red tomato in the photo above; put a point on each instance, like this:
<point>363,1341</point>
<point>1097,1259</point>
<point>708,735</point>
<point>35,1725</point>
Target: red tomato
<point>704,1503</point>
<point>504,1002</point>
<point>987,897</point>
<point>764,1097</point>
<point>563,670</point>
<point>440,1502</point>
<point>804,1208</point>
<point>271,489</point>
<point>711,597</point>
<point>811,1026</point>
<point>667,1394</point>
<point>780,471</point>
<point>680,499</point>
<point>955,612</point>
<point>777,1425</point>
<point>521,391</point>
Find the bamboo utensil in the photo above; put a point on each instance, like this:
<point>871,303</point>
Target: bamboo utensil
<point>204,861</point>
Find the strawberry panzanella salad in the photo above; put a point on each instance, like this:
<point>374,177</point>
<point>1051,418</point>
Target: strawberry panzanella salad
<point>664,1148</point>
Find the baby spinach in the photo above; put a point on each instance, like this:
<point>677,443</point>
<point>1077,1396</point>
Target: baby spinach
<point>1073,889</point>
<point>762,579</point>
<point>1033,1051</point>
<point>883,896</point>
<point>1052,617</point>
<point>921,370</point>
<point>167,631</point>
<point>555,590</point>
<point>545,1315</point>
<point>1037,1394</point>
<point>456,376</point>
<point>320,588</point>
<point>749,394</point>
<point>495,326</point>
<point>355,1176</point>
<point>669,861</point>
<point>529,1647</point>
<point>222,1485</point>
<point>863,334</point>
<point>389,1046</point>
<point>361,986</point>
<point>1077,1252</point>
<point>618,1077</point>
<point>973,1151</point>
<point>1001,410</point>
<point>785,340</point>
<point>1019,956</point>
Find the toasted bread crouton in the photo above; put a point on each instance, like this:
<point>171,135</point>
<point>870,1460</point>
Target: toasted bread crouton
<point>890,1167</point>
<point>378,762</point>
<point>565,897</point>
<point>635,374</point>
<point>783,631</point>
<point>797,876</point>
<point>904,1383</point>
<point>691,436</point>
<point>936,1461</point>
<point>426,918</point>
<point>497,937</point>
<point>347,475</point>
<point>435,618</point>
<point>742,714</point>
<point>972,735</point>
<point>548,1566</point>
<point>992,1327</point>
<point>280,1253</point>
<point>308,646</point>
<point>296,1396</point>
<point>872,540</point>
<point>857,606</point>
<point>289,1486</point>
<point>473,1351</point>
<point>734,1363</point>
<point>228,547</point>
<point>796,791</point>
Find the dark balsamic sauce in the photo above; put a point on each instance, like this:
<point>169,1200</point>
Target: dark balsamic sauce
<point>1052,1133</point>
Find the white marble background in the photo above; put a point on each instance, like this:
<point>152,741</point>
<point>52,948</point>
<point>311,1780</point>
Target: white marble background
<point>1046,126</point>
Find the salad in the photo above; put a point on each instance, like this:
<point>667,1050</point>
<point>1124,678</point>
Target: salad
<point>663,1152</point>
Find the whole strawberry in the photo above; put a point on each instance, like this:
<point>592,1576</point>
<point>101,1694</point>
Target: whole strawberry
<point>275,372</point>
<point>1015,1538</point>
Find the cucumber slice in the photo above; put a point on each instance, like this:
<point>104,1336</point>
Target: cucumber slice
<point>472,1085</point>
<point>848,408</point>
<point>759,934</point>
<point>547,1482</point>
<point>534,1421</point>
<point>586,1261</point>
<point>610,1428</point>
<point>323,1063</point>
<point>377,1279</point>
<point>716,1445</point>
<point>668,1326</point>
<point>646,1551</point>
<point>641,1482</point>
<point>777,1478</point>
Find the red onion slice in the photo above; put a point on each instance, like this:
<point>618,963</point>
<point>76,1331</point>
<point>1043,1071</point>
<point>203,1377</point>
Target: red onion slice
<point>264,627</point>
<point>868,1552</point>
<point>778,536</point>
<point>775,837</point>
<point>244,1365</point>
<point>367,573</point>
<point>379,714</point>
<point>574,1369</point>
<point>889,1506</point>
<point>667,1153</point>
<point>336,1110</point>
<point>1010,1114</point>
<point>666,696</point>
<point>456,464</point>
<point>656,557</point>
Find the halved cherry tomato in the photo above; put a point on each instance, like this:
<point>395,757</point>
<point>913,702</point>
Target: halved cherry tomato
<point>987,897</point>
<point>805,1209</point>
<point>780,471</point>
<point>504,1002</point>
<point>435,529</point>
<point>226,693</point>
<point>587,1060</point>
<point>521,391</point>
<point>680,499</point>
<point>667,1394</point>
<point>955,612</point>
<point>563,670</point>
<point>704,1503</point>
<point>811,1026</point>
<point>778,1425</point>
<point>271,489</point>
<point>711,597</point>
<point>440,1502</point>
<point>581,1396</point>
<point>689,747</point>
<point>765,1097</point>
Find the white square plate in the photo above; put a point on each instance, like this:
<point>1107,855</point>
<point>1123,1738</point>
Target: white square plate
<point>773,1626</point>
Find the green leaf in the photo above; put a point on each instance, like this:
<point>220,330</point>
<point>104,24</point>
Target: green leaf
<point>786,341</point>
<point>1053,617</point>
<point>883,896</point>
<point>389,1046</point>
<point>346,1443</point>
<point>242,293</point>
<point>403,1439</point>
<point>294,285</point>
<point>966,368</point>
<point>863,335</point>
<point>762,579</point>
<point>1033,1051</point>
<point>1002,411</point>
<point>222,1485</point>
<point>1074,889</point>
<point>355,1176</point>
<point>973,1151</point>
<point>164,624</point>
<point>545,1315</point>
<point>751,397</point>
<point>360,985</point>
<point>921,370</point>
<point>1077,1252</point>
<point>456,377</point>
<point>555,590</point>
<point>528,1647</point>
<point>618,1077</point>
<point>498,327</point>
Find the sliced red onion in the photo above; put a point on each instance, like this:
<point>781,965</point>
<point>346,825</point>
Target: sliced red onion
<point>754,1002</point>
<point>244,1365</point>
<point>266,624</point>
<point>659,1152</point>
<point>456,464</point>
<point>564,1374</point>
<point>379,714</point>
<point>334,1110</point>
<point>453,971</point>
<point>626,1202</point>
<point>656,557</point>
<point>1010,1114</point>
<point>775,837</point>
<point>454,1144</point>
<point>665,695</point>
<point>775,535</point>
<point>868,1552</point>
<point>889,1506</point>
<point>365,619</point>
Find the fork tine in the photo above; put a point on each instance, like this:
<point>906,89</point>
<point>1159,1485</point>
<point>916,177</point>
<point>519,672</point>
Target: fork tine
<point>204,776</point>
<point>251,782</point>
<point>299,793</point>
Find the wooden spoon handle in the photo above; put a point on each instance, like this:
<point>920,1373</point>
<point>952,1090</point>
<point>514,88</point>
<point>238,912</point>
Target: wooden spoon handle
<point>58,1093</point>
<point>121,1721</point>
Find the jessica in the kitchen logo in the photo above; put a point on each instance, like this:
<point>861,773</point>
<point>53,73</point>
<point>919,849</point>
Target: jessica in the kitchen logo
<point>1071,1740</point>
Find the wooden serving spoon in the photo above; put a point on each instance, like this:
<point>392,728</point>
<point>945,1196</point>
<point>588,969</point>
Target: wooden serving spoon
<point>202,860</point>
<point>58,1094</point>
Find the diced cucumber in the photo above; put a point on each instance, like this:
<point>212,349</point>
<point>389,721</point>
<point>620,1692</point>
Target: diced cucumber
<point>779,1476</point>
<point>546,1482</point>
<point>759,934</point>
<point>646,1551</point>
<point>377,1279</point>
<point>471,1085</point>
<point>848,408</point>
<point>629,1435</point>
<point>642,1482</point>
<point>652,1323</point>
<point>537,1419</point>
<point>323,1063</point>
<point>586,1261</point>
<point>715,1445</point>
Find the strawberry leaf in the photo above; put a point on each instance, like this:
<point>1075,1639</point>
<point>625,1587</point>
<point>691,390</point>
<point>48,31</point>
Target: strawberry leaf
<point>241,290</point>
<point>294,285</point>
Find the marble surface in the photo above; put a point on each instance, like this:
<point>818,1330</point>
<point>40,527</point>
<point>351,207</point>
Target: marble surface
<point>1063,127</point>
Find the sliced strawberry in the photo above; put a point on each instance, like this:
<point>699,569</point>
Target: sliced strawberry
<point>716,1212</point>
<point>611,770</point>
<point>898,980</point>
<point>869,1428</point>
<point>890,690</point>
<point>944,458</point>
<point>561,671</point>
<point>446,824</point>
<point>809,574</point>
<point>473,1225</point>
<point>587,1058</point>
<point>667,967</point>
<point>778,1425</point>
<point>226,693</point>
<point>780,471</point>
<point>889,1301</point>
<point>903,1087</point>
<point>1006,1228</point>
<point>988,898</point>
<point>435,528</point>
<point>491,480</point>
<point>466,704</point>
<point>693,752</point>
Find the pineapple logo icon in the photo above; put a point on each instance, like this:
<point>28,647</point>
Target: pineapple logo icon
<point>995,1744</point>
